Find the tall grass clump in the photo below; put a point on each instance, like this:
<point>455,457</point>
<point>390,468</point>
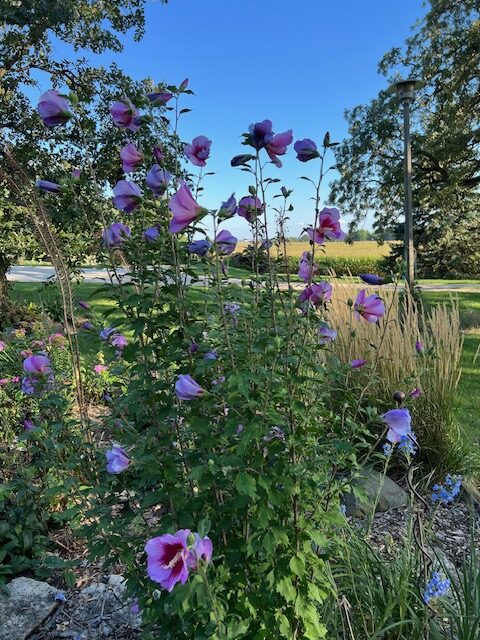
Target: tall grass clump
<point>420,351</point>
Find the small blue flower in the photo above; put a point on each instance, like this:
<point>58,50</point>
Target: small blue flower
<point>387,449</point>
<point>407,445</point>
<point>60,597</point>
<point>447,492</point>
<point>436,587</point>
<point>343,509</point>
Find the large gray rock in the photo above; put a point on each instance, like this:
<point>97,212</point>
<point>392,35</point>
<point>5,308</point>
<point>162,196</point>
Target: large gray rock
<point>374,487</point>
<point>28,603</point>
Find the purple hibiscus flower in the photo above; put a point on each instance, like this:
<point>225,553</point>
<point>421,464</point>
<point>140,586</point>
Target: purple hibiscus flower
<point>358,363</point>
<point>131,157</point>
<point>371,278</point>
<point>124,115</point>
<point>399,423</point>
<point>306,150</point>
<point>48,187</point>
<point>199,247</point>
<point>119,341</point>
<point>317,293</point>
<point>225,242</point>
<point>53,108</point>
<point>117,459</point>
<point>158,153</point>
<point>328,227</point>
<point>158,180</point>
<point>167,558</point>
<point>159,98</point>
<point>151,234</point>
<point>278,146</point>
<point>187,389</point>
<point>115,234</point>
<point>260,134</point>
<point>127,195</point>
<point>37,365</point>
<point>371,308</point>
<point>249,208</point>
<point>326,335</point>
<point>184,208</point>
<point>198,151</point>
<point>201,551</point>
<point>306,270</point>
<point>228,208</point>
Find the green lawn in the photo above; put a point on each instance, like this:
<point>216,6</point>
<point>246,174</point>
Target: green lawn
<point>469,389</point>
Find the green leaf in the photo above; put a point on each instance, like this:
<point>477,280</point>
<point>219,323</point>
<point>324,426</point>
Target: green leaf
<point>297,565</point>
<point>246,485</point>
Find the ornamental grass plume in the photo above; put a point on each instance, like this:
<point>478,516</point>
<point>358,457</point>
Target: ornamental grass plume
<point>393,353</point>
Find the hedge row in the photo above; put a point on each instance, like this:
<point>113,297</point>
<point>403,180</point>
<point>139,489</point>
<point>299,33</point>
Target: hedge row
<point>341,266</point>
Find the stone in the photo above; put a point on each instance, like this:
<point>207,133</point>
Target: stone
<point>375,487</point>
<point>28,603</point>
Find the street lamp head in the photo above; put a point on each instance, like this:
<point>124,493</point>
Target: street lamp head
<point>405,89</point>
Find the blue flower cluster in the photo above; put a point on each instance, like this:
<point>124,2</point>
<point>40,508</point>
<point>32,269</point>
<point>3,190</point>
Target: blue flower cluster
<point>387,449</point>
<point>436,587</point>
<point>407,445</point>
<point>448,491</point>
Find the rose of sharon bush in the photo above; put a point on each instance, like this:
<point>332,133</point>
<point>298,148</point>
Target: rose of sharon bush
<point>254,458</point>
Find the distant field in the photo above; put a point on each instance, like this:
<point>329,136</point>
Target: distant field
<point>361,249</point>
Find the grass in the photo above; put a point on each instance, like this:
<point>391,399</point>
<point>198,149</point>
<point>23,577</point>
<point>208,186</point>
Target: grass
<point>468,410</point>
<point>360,249</point>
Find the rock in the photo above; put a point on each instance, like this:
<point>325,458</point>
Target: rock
<point>373,484</point>
<point>28,603</point>
<point>117,582</point>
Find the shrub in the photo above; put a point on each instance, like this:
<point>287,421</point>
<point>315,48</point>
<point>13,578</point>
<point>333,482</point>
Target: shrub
<point>217,476</point>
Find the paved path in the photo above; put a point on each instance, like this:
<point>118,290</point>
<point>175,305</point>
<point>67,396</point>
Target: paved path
<point>92,275</point>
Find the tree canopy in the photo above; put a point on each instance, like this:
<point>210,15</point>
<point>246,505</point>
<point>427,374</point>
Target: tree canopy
<point>28,30</point>
<point>444,52</point>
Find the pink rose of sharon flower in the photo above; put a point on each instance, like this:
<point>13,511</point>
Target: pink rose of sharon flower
<point>187,389</point>
<point>131,157</point>
<point>167,558</point>
<point>198,151</point>
<point>117,459</point>
<point>184,208</point>
<point>54,109</point>
<point>399,423</point>
<point>306,269</point>
<point>371,308</point>
<point>124,115</point>
<point>328,227</point>
<point>278,146</point>
<point>358,364</point>
<point>127,195</point>
<point>170,557</point>
<point>201,551</point>
<point>226,243</point>
<point>37,365</point>
<point>115,234</point>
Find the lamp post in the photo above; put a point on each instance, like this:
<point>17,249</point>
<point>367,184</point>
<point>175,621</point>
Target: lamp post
<point>405,90</point>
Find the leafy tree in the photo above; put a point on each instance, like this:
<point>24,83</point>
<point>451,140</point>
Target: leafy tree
<point>443,51</point>
<point>28,28</point>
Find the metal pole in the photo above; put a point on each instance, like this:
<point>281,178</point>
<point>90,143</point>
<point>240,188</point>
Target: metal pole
<point>408,241</point>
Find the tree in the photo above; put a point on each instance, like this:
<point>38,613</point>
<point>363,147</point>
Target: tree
<point>444,52</point>
<point>25,50</point>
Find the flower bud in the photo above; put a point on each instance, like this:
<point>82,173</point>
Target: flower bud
<point>399,396</point>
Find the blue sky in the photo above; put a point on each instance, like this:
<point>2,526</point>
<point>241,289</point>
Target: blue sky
<point>299,63</point>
